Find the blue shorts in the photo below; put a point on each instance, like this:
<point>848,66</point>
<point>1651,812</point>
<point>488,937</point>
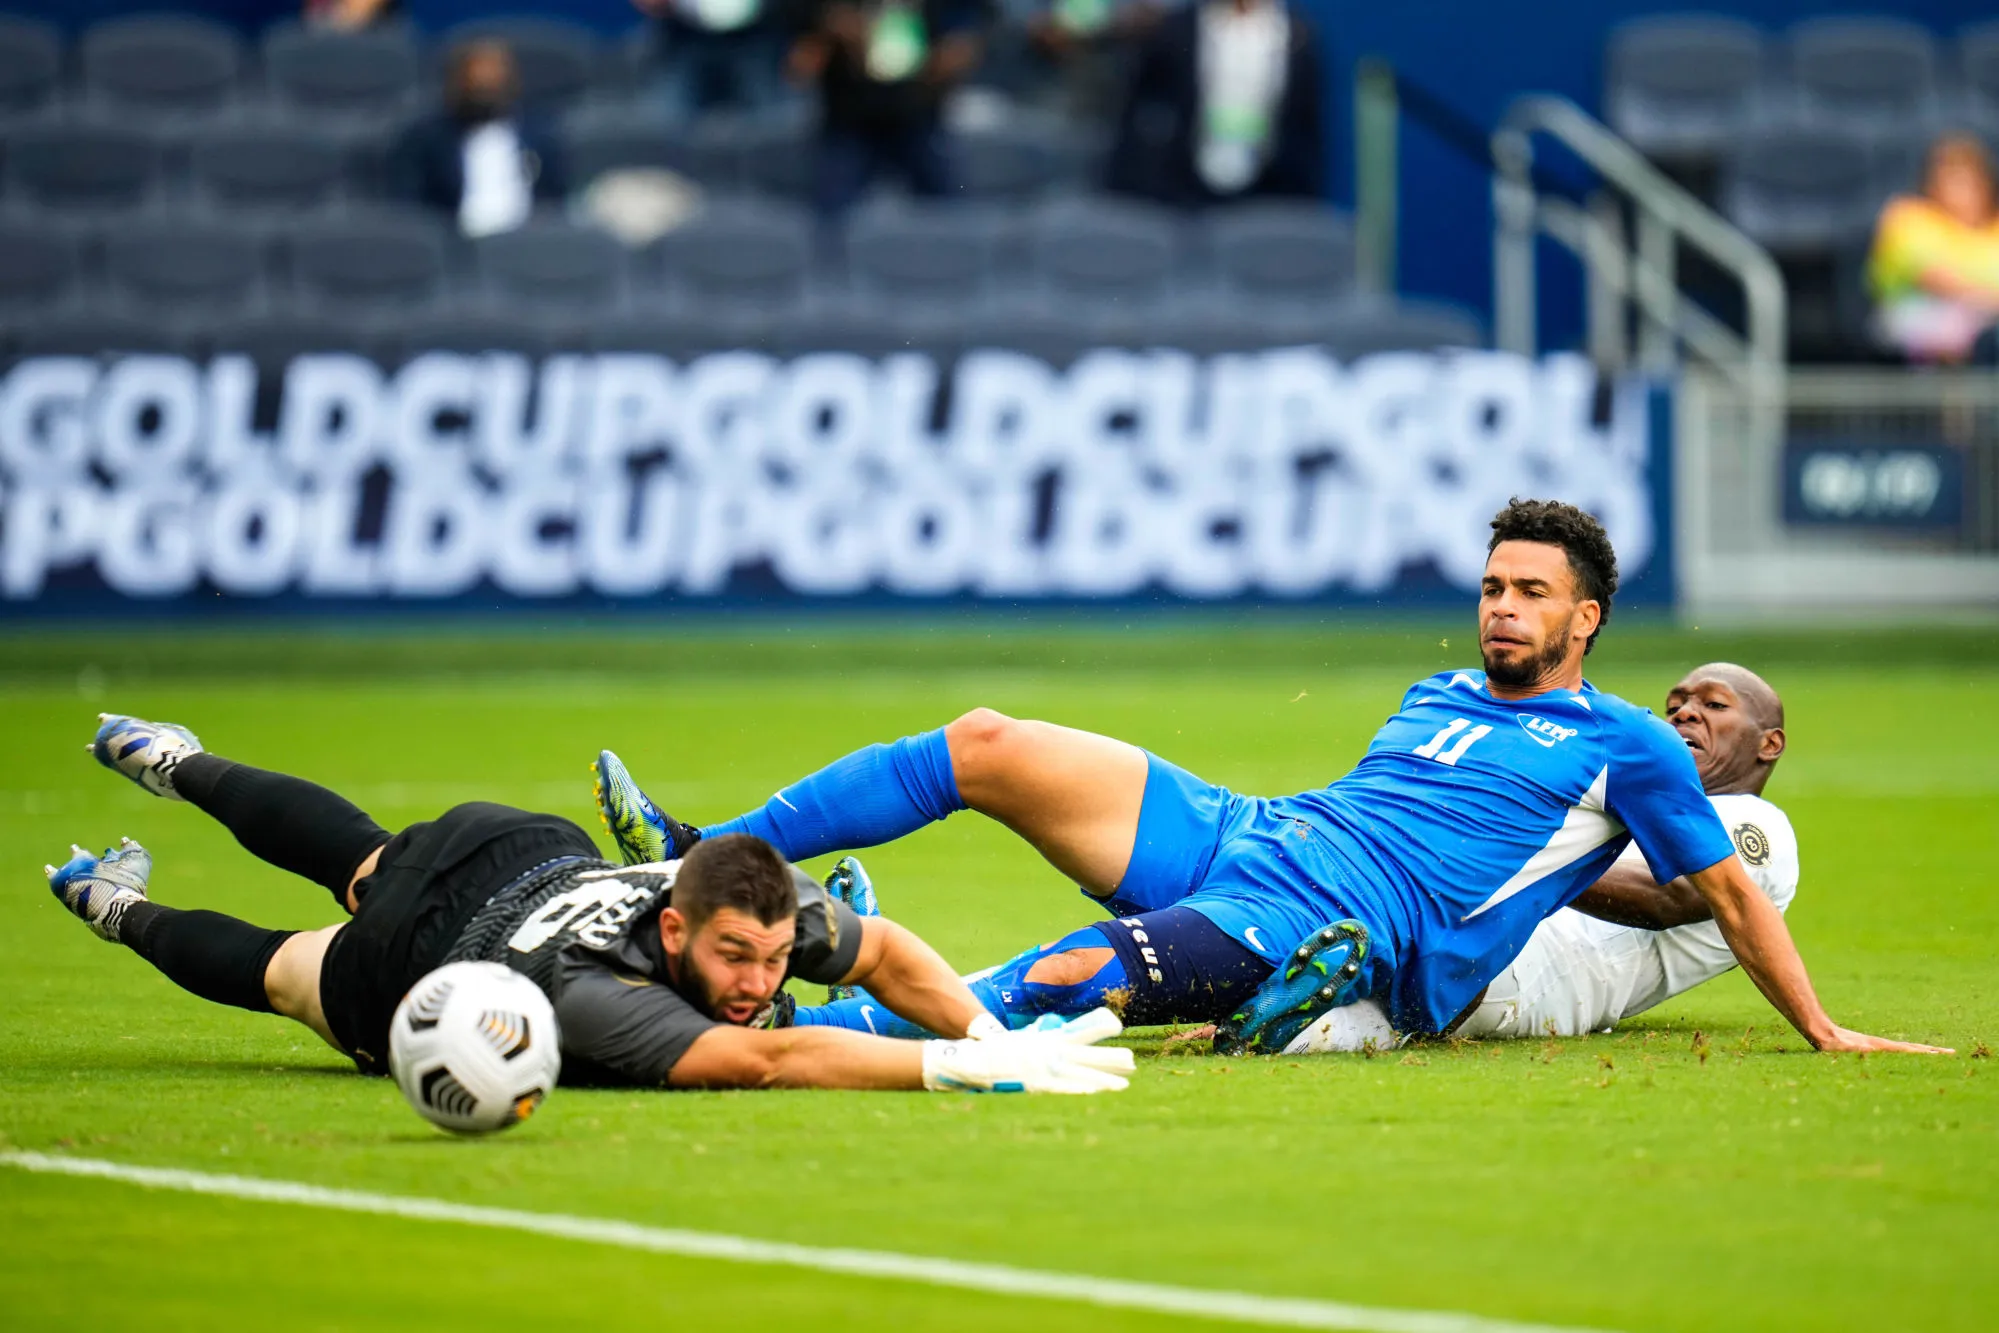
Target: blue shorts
<point>1262,875</point>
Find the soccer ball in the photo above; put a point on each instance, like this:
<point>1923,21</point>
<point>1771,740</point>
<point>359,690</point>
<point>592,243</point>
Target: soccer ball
<point>474,1047</point>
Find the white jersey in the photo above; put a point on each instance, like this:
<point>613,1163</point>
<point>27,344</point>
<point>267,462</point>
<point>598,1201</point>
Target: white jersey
<point>1578,974</point>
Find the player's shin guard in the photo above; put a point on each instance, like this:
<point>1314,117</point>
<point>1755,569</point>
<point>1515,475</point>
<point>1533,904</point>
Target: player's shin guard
<point>1322,973</point>
<point>293,824</point>
<point>208,954</point>
<point>871,796</point>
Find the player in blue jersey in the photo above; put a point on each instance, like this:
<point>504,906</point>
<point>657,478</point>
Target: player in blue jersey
<point>1491,799</point>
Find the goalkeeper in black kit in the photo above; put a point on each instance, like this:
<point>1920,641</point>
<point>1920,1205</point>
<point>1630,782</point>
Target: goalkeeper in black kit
<point>664,975</point>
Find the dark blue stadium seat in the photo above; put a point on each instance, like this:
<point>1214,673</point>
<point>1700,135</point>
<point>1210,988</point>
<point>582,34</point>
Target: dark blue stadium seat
<point>30,64</point>
<point>770,155</point>
<point>1103,250</point>
<point>749,252</point>
<point>92,330</point>
<point>468,331</point>
<point>266,168</point>
<point>912,253</point>
<point>1680,85</point>
<point>82,166</point>
<point>373,261</point>
<point>373,74</point>
<point>161,64</point>
<point>1364,325</point>
<point>40,266</point>
<point>174,266</point>
<point>1871,76</point>
<point>683,335</point>
<point>1799,189</point>
<point>603,142</point>
<point>552,264</point>
<point>1288,252</point>
<point>1009,163</point>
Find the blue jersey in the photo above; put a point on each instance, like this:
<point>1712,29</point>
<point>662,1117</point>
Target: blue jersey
<point>1470,819</point>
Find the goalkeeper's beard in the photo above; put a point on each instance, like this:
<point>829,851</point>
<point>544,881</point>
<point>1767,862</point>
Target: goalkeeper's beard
<point>1519,673</point>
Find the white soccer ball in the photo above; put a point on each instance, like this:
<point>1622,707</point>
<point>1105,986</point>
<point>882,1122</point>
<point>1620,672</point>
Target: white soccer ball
<point>474,1047</point>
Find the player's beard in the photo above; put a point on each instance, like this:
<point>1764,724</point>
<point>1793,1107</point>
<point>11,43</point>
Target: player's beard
<point>1519,673</point>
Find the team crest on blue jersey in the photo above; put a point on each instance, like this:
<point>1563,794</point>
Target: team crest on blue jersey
<point>1546,734</point>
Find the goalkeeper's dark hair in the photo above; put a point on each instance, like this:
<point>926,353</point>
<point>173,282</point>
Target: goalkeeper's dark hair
<point>734,870</point>
<point>1582,539</point>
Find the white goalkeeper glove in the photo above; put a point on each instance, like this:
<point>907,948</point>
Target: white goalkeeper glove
<point>1051,1056</point>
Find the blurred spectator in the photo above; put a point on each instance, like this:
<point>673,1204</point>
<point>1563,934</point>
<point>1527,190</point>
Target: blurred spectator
<point>1934,269</point>
<point>1227,102</point>
<point>1085,44</point>
<point>348,15</point>
<point>882,69</point>
<point>479,158</point>
<point>715,54</point>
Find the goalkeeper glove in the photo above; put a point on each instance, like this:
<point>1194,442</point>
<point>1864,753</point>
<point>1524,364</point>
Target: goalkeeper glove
<point>1051,1056</point>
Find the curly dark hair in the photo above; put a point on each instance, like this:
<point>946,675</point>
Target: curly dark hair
<point>1581,538</point>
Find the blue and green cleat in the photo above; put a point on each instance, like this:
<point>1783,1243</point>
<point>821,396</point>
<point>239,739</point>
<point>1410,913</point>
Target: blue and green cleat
<point>146,752</point>
<point>643,832</point>
<point>1320,974</point>
<point>99,889</point>
<point>849,883</point>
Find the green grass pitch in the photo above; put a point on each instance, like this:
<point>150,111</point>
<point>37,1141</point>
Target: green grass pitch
<point>1649,1180</point>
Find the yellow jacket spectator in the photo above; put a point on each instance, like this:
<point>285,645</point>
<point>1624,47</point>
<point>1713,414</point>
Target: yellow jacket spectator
<point>1934,270</point>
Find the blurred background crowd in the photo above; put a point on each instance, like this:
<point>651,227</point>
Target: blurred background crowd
<point>896,173</point>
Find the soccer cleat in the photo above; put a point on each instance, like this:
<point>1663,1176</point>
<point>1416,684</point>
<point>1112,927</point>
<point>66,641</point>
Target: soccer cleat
<point>1320,974</point>
<point>644,833</point>
<point>849,883</point>
<point>98,890</point>
<point>146,752</point>
<point>779,1013</point>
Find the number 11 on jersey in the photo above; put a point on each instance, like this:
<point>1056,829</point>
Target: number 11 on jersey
<point>1434,747</point>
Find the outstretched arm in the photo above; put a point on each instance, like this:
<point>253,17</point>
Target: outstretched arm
<point>733,1057</point>
<point>909,977</point>
<point>1755,931</point>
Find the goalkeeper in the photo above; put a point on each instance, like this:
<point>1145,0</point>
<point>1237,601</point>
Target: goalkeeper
<point>663,975</point>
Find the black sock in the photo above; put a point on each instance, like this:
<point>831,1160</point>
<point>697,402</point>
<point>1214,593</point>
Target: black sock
<point>214,956</point>
<point>295,825</point>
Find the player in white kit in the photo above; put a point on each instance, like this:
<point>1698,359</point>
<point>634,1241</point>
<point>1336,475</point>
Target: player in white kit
<point>1629,943</point>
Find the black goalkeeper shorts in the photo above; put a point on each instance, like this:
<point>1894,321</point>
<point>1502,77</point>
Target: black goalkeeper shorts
<point>432,877</point>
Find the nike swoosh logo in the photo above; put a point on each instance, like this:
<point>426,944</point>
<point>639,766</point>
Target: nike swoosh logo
<point>867,1014</point>
<point>1249,933</point>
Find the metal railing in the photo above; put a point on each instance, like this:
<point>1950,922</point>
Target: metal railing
<point>1638,275</point>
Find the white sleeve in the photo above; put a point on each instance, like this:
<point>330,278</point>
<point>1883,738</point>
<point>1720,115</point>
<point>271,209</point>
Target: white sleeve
<point>1765,842</point>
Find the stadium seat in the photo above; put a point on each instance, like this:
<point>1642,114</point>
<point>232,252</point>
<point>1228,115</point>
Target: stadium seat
<point>1680,85</point>
<point>1104,251</point>
<point>161,64</point>
<point>1006,163</point>
<point>82,166</point>
<point>1978,70</point>
<point>1283,252</point>
<point>266,168</point>
<point>95,331</point>
<point>910,253</point>
<point>468,331</point>
<point>771,156</point>
<point>682,336</point>
<point>843,325</point>
<point>177,265</point>
<point>30,64</point>
<point>557,60</point>
<point>601,143</point>
<point>1034,328</point>
<point>1799,189</point>
<point>552,264</point>
<point>751,251</point>
<point>1364,325</point>
<point>1869,76</point>
<point>390,259</point>
<point>370,74</point>
<point>40,264</point>
<point>274,339</point>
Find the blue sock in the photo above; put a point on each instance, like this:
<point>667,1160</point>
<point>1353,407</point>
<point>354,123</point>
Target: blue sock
<point>1004,991</point>
<point>871,796</point>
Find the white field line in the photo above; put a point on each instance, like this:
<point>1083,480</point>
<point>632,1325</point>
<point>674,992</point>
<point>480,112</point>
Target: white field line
<point>1234,1306</point>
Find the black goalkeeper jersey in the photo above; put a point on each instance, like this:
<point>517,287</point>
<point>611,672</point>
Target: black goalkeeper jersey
<point>587,933</point>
